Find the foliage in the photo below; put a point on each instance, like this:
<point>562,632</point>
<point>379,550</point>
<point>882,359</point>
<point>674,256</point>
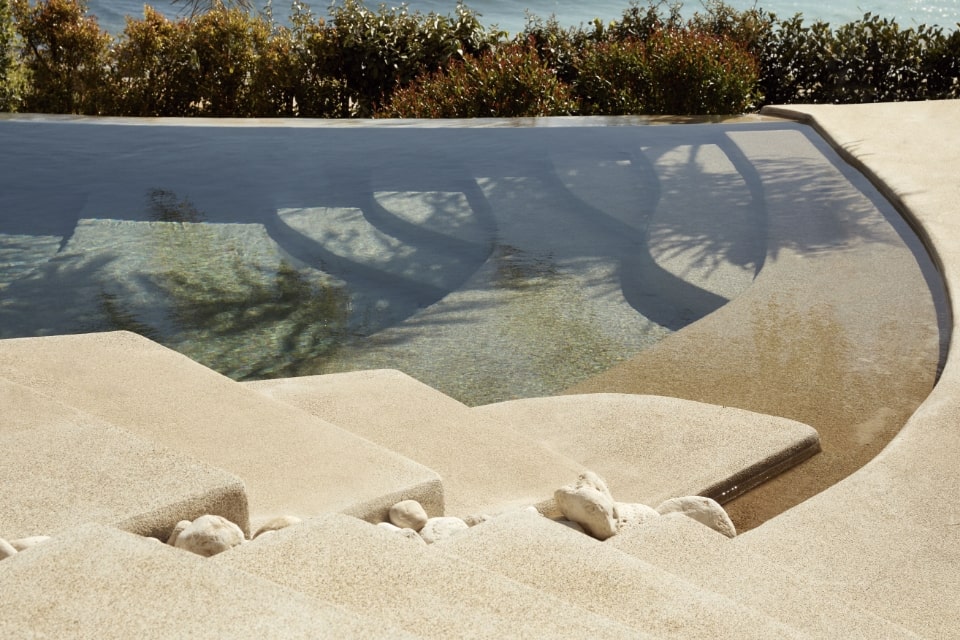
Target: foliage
<point>9,68</point>
<point>614,78</point>
<point>156,70</point>
<point>224,61</point>
<point>698,74</point>
<point>200,7</point>
<point>64,53</point>
<point>870,60</point>
<point>372,53</point>
<point>673,71</point>
<point>511,81</point>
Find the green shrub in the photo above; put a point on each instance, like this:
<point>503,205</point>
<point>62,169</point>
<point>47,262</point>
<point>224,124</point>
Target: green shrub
<point>373,53</point>
<point>156,70</point>
<point>868,60</point>
<point>228,44</point>
<point>510,82</point>
<point>7,58</point>
<point>693,73</point>
<point>639,23</point>
<point>65,56</point>
<point>613,79</point>
<point>227,62</point>
<point>560,48</point>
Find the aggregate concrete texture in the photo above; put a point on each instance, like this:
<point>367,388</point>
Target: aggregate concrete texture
<point>556,559</point>
<point>652,448</point>
<point>519,452</point>
<point>834,311</point>
<point>98,582</point>
<point>888,537</point>
<point>290,462</point>
<point>484,466</point>
<point>62,468</point>
<point>431,594</point>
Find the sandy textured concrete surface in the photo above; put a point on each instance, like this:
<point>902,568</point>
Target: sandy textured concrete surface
<point>290,462</point>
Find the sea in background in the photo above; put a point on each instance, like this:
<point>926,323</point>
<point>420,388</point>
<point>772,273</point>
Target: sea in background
<point>510,15</point>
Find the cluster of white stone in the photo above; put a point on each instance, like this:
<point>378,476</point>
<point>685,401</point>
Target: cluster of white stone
<point>209,535</point>
<point>408,518</point>
<point>589,504</point>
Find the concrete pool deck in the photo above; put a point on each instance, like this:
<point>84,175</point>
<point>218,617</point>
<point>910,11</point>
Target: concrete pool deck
<point>875,555</point>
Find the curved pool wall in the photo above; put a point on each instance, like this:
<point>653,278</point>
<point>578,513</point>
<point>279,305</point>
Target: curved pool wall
<point>489,259</point>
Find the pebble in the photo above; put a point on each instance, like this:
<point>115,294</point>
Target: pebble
<point>404,532</point>
<point>590,508</point>
<point>276,524</point>
<point>209,535</point>
<point>570,524</point>
<point>438,529</point>
<point>591,480</point>
<point>6,549</point>
<point>177,530</point>
<point>408,514</point>
<point>703,510</point>
<point>634,514</point>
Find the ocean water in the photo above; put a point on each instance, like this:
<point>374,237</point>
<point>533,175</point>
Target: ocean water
<point>511,15</point>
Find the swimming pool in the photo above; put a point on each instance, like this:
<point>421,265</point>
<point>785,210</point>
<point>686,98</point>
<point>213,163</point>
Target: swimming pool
<point>490,259</point>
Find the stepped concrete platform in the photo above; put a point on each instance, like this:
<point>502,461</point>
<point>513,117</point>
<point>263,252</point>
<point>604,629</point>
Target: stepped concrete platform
<point>68,468</point>
<point>520,451</point>
<point>551,557</point>
<point>712,561</point>
<point>484,467</point>
<point>98,582</point>
<point>651,448</point>
<point>362,568</point>
<point>290,462</point>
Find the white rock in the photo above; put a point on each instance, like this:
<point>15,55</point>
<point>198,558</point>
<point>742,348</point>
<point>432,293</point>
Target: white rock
<point>177,530</point>
<point>209,535</point>
<point>275,524</point>
<point>408,514</point>
<point>403,532</point>
<point>412,535</point>
<point>591,509</point>
<point>591,480</point>
<point>25,543</point>
<point>6,549</point>
<point>437,529</point>
<point>631,514</point>
<point>703,510</point>
<point>570,524</point>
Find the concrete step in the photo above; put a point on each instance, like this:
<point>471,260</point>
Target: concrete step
<point>362,568</point>
<point>289,461</point>
<point>652,448</point>
<point>485,467</point>
<point>499,456</point>
<point>548,556</point>
<point>98,582</point>
<point>712,561</point>
<point>62,468</point>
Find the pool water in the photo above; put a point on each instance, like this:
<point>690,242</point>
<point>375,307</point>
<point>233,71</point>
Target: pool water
<point>491,262</point>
